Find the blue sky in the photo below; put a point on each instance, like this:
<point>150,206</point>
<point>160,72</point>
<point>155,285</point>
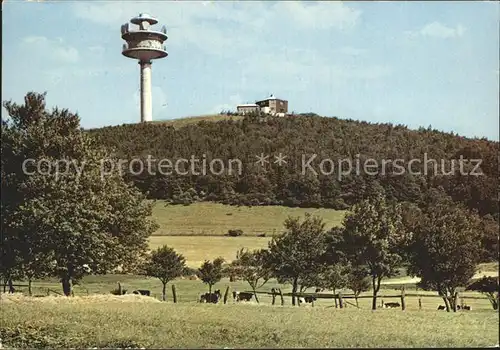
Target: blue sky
<point>411,63</point>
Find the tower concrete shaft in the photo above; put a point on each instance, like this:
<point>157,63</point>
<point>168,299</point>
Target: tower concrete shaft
<point>144,45</point>
<point>146,94</point>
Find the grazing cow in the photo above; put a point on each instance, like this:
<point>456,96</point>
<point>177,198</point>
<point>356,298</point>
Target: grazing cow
<point>301,300</point>
<point>142,292</point>
<point>441,307</point>
<point>466,307</point>
<point>391,305</point>
<point>211,297</point>
<point>309,299</point>
<point>242,296</point>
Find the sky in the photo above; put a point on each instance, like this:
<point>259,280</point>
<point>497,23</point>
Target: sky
<point>411,63</point>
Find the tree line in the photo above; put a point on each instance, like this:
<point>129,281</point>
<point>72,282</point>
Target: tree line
<point>63,224</point>
<point>309,134</point>
<point>70,224</point>
<point>439,243</point>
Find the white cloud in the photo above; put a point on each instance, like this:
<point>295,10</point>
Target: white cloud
<point>438,30</point>
<point>97,50</point>
<point>230,105</point>
<point>55,50</point>
<point>202,24</point>
<point>222,27</point>
<point>321,15</point>
<point>300,67</point>
<point>351,51</point>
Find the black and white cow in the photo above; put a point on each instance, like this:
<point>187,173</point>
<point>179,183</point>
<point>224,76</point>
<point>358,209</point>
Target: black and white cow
<point>142,292</point>
<point>242,296</point>
<point>211,297</point>
<point>391,305</point>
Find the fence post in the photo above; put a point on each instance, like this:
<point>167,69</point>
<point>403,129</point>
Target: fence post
<point>403,305</point>
<point>48,291</point>
<point>455,298</point>
<point>341,302</point>
<point>281,296</point>
<point>273,296</point>
<point>174,293</point>
<point>226,294</point>
<point>419,303</point>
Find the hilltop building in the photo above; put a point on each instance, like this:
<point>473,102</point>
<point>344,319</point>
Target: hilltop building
<point>247,108</point>
<point>271,105</point>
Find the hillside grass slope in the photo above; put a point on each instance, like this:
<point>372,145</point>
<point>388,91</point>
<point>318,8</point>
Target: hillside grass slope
<point>112,324</point>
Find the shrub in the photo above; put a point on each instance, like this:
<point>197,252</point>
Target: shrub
<point>116,291</point>
<point>234,233</point>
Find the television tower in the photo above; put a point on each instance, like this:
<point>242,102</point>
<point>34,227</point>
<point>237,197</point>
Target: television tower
<point>144,45</point>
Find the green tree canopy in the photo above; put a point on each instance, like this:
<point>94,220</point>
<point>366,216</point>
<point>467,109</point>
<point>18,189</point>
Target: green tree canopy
<point>295,257</point>
<point>76,220</point>
<point>446,246</point>
<point>165,264</point>
<point>211,272</point>
<point>357,281</point>
<point>374,238</point>
<point>488,286</point>
<point>251,267</point>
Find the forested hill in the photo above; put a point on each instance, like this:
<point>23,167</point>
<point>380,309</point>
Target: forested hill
<point>302,136</point>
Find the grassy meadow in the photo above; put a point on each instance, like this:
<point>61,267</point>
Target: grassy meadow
<point>197,231</point>
<point>96,318</point>
<point>198,249</point>
<point>133,321</point>
<point>214,219</point>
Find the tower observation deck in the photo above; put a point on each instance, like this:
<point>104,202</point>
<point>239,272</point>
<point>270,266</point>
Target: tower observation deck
<point>144,45</point>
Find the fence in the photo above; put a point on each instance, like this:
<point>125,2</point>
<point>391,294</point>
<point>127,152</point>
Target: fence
<point>340,299</point>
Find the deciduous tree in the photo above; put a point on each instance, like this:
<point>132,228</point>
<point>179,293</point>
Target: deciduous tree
<point>446,246</point>
<point>165,264</point>
<point>358,282</point>
<point>296,255</point>
<point>251,267</point>
<point>77,219</point>
<point>211,272</point>
<point>374,237</point>
<point>488,286</point>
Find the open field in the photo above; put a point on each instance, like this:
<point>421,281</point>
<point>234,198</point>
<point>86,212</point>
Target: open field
<point>198,249</point>
<point>180,122</point>
<point>188,291</point>
<point>94,322</point>
<point>213,219</point>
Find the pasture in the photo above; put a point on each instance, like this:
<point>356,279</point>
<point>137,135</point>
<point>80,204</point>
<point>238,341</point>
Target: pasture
<point>132,321</point>
<point>197,249</point>
<point>188,291</point>
<point>214,219</point>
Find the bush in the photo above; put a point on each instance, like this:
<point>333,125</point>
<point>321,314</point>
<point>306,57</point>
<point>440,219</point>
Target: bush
<point>30,337</point>
<point>189,271</point>
<point>234,233</point>
<point>116,291</point>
